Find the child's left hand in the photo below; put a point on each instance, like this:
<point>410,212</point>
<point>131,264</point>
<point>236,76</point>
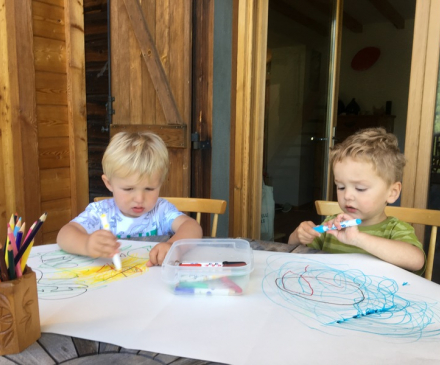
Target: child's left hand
<point>345,235</point>
<point>158,253</point>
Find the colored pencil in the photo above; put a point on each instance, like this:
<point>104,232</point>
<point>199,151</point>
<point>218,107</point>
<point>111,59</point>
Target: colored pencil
<point>25,256</point>
<point>12,224</point>
<point>12,221</point>
<point>29,238</point>
<point>28,250</point>
<point>17,227</point>
<point>15,252</point>
<point>18,242</point>
<point>6,250</point>
<point>13,245</point>
<point>30,230</point>
<point>11,268</point>
<point>18,270</point>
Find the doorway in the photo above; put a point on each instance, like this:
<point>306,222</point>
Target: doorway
<point>298,93</point>
<point>296,111</point>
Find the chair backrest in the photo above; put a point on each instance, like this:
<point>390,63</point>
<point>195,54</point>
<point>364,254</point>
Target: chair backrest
<point>196,205</point>
<point>427,217</point>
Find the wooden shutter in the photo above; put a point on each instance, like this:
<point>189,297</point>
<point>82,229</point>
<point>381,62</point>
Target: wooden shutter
<point>151,78</point>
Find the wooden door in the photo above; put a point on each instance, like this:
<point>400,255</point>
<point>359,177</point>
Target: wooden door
<point>151,78</point>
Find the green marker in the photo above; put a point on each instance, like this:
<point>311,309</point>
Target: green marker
<point>194,284</point>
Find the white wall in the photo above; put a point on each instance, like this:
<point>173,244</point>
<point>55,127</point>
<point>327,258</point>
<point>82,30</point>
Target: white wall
<point>387,79</point>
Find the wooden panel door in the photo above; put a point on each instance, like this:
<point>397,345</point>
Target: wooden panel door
<point>151,78</point>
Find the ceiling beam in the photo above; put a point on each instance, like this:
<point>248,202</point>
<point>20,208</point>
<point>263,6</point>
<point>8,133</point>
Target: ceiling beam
<point>389,12</point>
<point>348,21</point>
<point>296,15</point>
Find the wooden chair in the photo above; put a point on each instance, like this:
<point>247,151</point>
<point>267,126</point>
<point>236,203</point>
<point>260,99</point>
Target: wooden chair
<point>196,205</point>
<point>427,217</point>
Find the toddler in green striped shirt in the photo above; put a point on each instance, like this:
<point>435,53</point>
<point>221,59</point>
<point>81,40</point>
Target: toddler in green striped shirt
<point>368,168</point>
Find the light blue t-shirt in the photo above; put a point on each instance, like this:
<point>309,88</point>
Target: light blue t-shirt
<point>156,222</point>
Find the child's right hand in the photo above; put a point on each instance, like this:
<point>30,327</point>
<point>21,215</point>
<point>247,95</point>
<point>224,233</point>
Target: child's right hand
<point>102,243</point>
<point>304,233</point>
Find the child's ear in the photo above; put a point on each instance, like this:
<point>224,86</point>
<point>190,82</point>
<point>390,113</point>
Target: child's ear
<point>107,183</point>
<point>394,192</point>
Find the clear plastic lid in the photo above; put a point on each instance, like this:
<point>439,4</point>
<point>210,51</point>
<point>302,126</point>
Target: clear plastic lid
<point>201,259</point>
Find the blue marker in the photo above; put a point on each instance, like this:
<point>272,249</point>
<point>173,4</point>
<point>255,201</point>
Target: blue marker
<point>203,291</point>
<point>345,224</point>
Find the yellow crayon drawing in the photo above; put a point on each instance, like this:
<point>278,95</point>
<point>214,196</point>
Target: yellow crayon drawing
<point>61,275</point>
<point>96,275</point>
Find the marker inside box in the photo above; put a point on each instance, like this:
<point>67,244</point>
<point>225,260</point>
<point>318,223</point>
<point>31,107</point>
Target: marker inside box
<point>192,278</point>
<point>231,284</point>
<point>208,267</point>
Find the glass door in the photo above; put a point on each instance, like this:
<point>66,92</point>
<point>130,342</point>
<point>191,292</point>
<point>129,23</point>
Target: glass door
<point>298,99</point>
<point>321,59</point>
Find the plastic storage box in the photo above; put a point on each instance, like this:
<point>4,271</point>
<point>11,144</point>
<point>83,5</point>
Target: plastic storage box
<point>219,266</point>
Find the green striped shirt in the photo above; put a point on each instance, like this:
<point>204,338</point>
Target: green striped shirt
<point>391,228</point>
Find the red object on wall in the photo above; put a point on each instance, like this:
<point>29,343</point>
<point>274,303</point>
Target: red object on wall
<point>365,58</point>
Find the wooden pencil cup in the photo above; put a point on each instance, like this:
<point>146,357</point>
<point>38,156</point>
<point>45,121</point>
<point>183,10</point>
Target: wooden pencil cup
<point>19,316</point>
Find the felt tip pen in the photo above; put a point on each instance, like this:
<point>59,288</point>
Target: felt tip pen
<point>193,285</point>
<point>231,284</point>
<point>213,264</point>
<point>203,291</point>
<point>116,259</point>
<point>345,224</point>
<point>195,278</point>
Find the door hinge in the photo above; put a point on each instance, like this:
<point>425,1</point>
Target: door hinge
<point>109,105</point>
<point>197,144</point>
<point>110,111</point>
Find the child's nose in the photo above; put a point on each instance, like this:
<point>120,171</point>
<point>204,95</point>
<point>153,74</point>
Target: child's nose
<point>139,197</point>
<point>348,194</point>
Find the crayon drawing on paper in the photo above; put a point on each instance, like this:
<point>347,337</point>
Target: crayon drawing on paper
<point>331,298</point>
<point>61,275</point>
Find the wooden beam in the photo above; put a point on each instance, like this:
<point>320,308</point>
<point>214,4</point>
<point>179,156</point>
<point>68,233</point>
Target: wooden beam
<point>256,122</point>
<point>421,106</point>
<point>348,21</point>
<point>18,112</point>
<point>251,48</point>
<point>389,12</point>
<point>76,105</point>
<point>428,108</point>
<point>294,14</point>
<point>152,60</point>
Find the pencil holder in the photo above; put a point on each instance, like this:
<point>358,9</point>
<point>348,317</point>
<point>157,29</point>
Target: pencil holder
<point>19,316</point>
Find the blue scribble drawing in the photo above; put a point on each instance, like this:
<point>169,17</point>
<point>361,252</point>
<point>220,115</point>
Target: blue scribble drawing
<point>336,296</point>
<point>61,275</point>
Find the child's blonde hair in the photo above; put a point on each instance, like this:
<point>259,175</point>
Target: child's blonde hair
<point>135,153</point>
<point>376,146</point>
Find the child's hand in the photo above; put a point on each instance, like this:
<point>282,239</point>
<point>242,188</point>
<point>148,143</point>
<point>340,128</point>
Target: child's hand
<point>345,235</point>
<point>158,253</point>
<point>304,233</point>
<point>102,243</point>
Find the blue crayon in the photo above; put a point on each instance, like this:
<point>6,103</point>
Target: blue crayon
<point>345,224</point>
